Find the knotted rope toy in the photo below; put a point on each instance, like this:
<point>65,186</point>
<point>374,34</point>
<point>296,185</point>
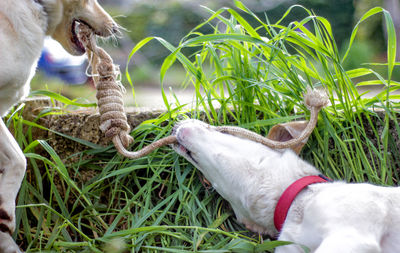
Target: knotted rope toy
<point>113,120</point>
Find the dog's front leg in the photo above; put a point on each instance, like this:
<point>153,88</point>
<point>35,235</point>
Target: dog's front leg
<point>7,244</point>
<point>12,169</point>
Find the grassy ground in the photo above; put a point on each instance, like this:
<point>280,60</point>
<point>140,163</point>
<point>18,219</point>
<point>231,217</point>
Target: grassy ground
<point>254,77</point>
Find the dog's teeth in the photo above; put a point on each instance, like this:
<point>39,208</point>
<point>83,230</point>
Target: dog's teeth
<point>76,27</point>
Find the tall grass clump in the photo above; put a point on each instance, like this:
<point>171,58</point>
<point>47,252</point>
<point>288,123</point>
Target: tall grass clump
<point>253,76</point>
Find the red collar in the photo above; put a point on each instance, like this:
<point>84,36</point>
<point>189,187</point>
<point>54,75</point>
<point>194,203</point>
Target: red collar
<point>286,199</point>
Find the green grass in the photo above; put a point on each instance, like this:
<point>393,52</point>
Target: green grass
<point>250,76</point>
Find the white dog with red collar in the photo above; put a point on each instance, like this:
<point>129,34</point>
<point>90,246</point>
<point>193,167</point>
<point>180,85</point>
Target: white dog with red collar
<point>325,217</point>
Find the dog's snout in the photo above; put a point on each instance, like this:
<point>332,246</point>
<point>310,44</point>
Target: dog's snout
<point>191,131</point>
<point>184,133</point>
<point>107,29</point>
<point>186,130</point>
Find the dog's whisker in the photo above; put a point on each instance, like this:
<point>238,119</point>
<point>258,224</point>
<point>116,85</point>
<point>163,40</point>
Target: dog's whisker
<point>119,16</point>
<point>114,40</point>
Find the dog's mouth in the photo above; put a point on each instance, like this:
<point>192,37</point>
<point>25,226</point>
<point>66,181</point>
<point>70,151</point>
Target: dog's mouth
<point>180,148</point>
<point>183,151</point>
<point>78,46</point>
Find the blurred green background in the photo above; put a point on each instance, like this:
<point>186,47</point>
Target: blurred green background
<point>173,19</point>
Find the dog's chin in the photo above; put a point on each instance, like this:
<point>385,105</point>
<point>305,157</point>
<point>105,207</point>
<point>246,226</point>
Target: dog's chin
<point>76,50</point>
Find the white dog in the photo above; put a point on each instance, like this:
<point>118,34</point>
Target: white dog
<point>325,217</point>
<point>23,26</point>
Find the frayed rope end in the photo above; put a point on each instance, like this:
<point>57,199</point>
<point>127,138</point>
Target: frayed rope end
<point>315,98</point>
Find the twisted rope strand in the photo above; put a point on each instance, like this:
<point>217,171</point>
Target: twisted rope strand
<point>146,150</point>
<point>113,120</point>
<point>247,134</point>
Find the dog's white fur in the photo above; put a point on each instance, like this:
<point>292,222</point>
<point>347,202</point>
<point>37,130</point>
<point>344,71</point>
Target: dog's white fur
<point>23,26</point>
<point>329,217</point>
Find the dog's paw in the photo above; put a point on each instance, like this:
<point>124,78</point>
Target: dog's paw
<point>7,216</point>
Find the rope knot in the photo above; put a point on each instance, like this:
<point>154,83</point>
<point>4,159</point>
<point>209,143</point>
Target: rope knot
<point>113,120</point>
<point>315,99</point>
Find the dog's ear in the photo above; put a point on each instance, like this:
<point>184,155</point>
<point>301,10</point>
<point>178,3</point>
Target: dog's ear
<point>288,131</point>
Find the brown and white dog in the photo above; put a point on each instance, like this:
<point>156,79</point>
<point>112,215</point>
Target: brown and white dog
<point>24,24</point>
<point>325,217</point>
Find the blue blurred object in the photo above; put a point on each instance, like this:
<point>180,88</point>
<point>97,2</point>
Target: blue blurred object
<point>56,62</point>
